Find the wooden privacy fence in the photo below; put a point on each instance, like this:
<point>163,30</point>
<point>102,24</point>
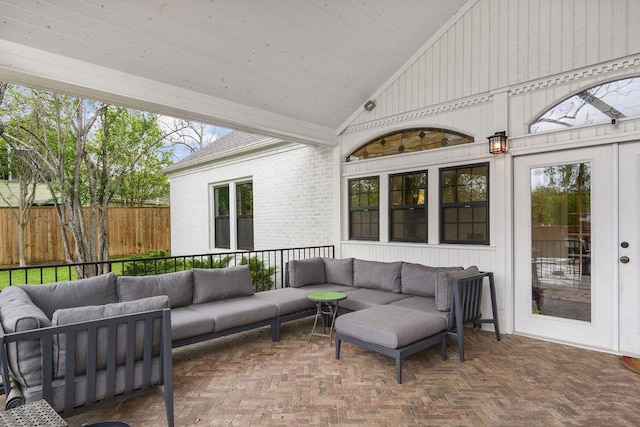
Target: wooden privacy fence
<point>129,230</point>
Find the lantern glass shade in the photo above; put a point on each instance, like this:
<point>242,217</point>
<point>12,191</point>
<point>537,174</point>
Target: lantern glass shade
<point>498,143</point>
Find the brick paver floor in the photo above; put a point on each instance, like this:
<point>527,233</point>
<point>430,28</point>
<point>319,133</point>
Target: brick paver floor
<point>246,380</point>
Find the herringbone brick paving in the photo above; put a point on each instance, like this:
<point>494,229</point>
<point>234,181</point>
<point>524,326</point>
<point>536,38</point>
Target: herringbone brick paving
<point>246,380</point>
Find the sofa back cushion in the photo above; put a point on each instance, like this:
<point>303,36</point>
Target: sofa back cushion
<point>91,291</point>
<point>303,272</point>
<point>177,286</point>
<point>421,280</point>
<point>377,275</point>
<point>94,312</point>
<point>339,271</point>
<point>216,284</point>
<point>444,290</point>
<point>18,313</point>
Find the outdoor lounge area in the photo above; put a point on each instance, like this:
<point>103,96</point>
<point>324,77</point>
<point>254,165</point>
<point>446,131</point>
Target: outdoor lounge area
<point>246,379</point>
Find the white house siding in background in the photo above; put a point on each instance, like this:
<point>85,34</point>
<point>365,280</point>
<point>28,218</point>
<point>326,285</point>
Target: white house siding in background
<point>497,66</point>
<point>292,197</point>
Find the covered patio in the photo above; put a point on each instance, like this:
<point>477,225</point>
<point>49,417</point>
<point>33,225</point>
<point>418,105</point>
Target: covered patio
<point>245,379</point>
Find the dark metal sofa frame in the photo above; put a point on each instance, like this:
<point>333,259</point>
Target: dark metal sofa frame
<point>465,308</point>
<point>111,396</point>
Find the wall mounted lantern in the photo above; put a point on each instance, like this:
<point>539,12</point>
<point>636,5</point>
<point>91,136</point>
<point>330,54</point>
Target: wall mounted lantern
<point>498,143</point>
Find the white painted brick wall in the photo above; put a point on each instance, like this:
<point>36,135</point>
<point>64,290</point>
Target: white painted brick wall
<point>292,192</point>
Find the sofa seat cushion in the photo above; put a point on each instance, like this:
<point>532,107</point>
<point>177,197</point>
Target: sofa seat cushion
<point>216,284</point>
<point>424,304</point>
<point>377,275</point>
<point>235,312</point>
<point>444,290</point>
<point>303,272</point>
<point>288,300</point>
<point>67,316</point>
<point>177,286</point>
<point>18,313</point>
<point>421,280</point>
<point>362,298</point>
<point>339,271</point>
<point>186,323</point>
<point>389,326</point>
<point>90,291</point>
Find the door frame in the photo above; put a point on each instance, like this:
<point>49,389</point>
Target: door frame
<point>602,332</point>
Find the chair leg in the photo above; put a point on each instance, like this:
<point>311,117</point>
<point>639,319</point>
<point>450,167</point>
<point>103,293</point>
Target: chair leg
<point>443,346</point>
<point>399,369</point>
<point>338,342</point>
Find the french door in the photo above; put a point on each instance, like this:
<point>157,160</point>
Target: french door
<point>565,240</point>
<point>577,247</point>
<point>628,248</point>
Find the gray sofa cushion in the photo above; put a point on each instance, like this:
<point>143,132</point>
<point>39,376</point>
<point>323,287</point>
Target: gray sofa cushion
<point>18,313</point>
<point>362,298</point>
<point>421,280</point>
<point>288,300</point>
<point>390,326</point>
<point>339,271</point>
<point>177,286</point>
<point>94,312</point>
<point>304,272</point>
<point>221,283</point>
<point>237,312</point>
<point>444,291</point>
<point>91,291</point>
<point>186,323</point>
<point>377,275</point>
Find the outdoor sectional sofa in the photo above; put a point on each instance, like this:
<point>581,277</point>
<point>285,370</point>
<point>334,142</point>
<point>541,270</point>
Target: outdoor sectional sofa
<point>208,303</point>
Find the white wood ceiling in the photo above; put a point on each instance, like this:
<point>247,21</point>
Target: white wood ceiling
<point>305,63</point>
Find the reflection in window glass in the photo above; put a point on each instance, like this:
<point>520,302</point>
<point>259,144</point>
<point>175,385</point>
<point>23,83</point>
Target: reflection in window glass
<point>408,141</point>
<point>244,207</point>
<point>408,213</point>
<point>464,203</point>
<point>221,217</point>
<point>561,241</point>
<point>363,208</point>
<point>599,104</point>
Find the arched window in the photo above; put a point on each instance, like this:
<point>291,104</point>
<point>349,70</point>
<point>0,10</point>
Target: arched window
<point>599,104</point>
<point>408,141</point>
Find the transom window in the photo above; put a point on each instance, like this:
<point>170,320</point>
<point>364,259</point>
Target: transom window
<point>464,204</point>
<point>364,208</point>
<point>408,141</point>
<point>599,104</point>
<point>408,214</point>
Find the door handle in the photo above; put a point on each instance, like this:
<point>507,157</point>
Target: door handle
<point>624,259</point>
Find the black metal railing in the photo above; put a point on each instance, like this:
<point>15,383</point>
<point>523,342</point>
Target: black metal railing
<point>267,266</point>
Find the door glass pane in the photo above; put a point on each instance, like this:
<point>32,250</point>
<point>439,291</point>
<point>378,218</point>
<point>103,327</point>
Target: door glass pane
<point>561,241</point>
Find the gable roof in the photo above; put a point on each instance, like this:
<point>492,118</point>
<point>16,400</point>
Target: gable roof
<point>231,144</point>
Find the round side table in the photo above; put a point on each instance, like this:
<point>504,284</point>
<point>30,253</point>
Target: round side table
<point>327,305</point>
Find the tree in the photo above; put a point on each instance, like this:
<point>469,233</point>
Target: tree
<point>186,137</point>
<point>84,151</point>
<point>12,165</point>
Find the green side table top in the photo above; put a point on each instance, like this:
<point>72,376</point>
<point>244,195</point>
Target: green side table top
<point>326,296</point>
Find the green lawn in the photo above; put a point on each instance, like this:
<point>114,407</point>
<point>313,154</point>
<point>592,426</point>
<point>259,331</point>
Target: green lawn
<point>48,275</point>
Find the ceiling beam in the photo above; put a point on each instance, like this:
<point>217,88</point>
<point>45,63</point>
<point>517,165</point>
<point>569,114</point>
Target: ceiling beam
<point>35,68</point>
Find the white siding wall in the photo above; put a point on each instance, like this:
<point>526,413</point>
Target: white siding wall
<point>500,43</point>
<point>500,65</point>
<point>292,191</point>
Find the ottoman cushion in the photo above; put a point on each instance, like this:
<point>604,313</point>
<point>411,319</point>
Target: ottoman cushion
<point>390,326</point>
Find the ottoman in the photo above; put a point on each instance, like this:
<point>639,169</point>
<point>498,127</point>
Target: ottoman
<point>393,331</point>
